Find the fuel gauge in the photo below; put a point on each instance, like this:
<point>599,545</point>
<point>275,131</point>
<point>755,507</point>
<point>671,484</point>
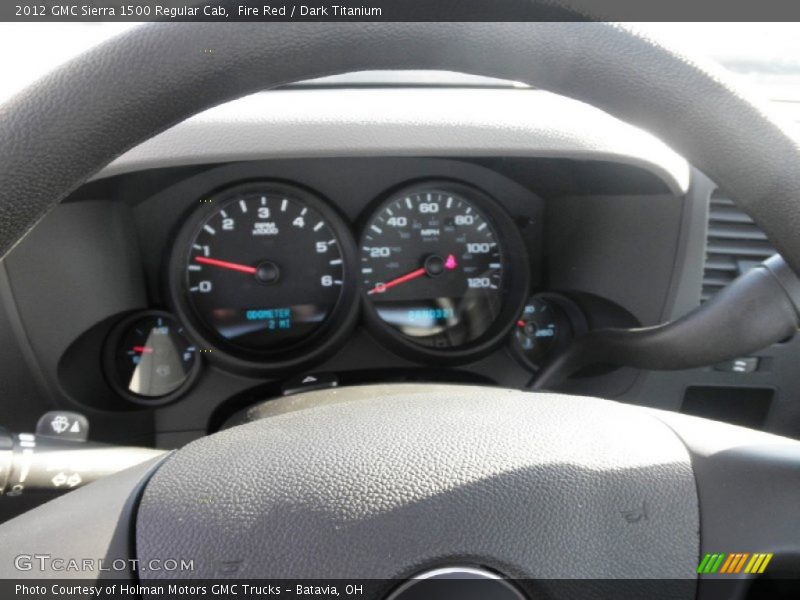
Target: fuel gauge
<point>150,360</point>
<point>547,323</point>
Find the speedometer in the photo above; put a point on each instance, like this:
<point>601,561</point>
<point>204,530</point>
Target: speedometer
<point>263,270</point>
<point>441,264</point>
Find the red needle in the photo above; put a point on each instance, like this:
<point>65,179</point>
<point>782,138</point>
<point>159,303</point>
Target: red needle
<point>382,287</point>
<point>142,349</point>
<point>449,264</point>
<point>225,264</point>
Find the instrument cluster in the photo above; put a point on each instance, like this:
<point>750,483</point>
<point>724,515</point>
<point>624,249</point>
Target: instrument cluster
<point>264,277</point>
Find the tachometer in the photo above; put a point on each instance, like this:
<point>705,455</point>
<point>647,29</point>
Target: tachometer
<point>443,268</point>
<point>263,270</point>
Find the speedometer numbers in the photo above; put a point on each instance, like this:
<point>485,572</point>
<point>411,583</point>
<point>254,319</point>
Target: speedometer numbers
<point>435,267</point>
<point>264,270</point>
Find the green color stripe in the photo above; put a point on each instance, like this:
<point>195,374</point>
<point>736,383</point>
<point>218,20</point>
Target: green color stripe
<point>702,566</point>
<point>711,562</point>
<point>717,564</point>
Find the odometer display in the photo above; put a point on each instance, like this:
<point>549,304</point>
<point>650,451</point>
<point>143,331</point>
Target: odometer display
<point>433,266</point>
<point>264,268</point>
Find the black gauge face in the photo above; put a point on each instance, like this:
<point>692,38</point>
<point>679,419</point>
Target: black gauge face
<point>151,357</point>
<point>264,269</point>
<point>433,267</point>
<point>540,330</point>
<point>545,327</point>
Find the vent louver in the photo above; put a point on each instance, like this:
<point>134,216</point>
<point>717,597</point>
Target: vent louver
<point>734,244</point>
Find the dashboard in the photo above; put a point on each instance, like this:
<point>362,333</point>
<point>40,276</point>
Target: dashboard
<point>191,280</point>
<point>255,276</point>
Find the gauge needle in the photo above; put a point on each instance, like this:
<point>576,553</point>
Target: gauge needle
<point>382,287</point>
<point>448,264</point>
<point>142,349</point>
<point>224,264</point>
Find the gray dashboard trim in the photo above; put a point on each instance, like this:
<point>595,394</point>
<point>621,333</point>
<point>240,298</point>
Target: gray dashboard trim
<point>404,122</point>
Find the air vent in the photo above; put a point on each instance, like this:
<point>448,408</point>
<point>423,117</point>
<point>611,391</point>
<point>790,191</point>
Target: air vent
<point>734,245</point>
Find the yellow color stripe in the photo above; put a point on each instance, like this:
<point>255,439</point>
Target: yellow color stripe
<point>752,562</point>
<point>761,557</point>
<point>765,563</point>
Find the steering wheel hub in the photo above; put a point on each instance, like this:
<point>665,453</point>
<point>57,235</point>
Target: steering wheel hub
<point>380,481</point>
<point>457,583</point>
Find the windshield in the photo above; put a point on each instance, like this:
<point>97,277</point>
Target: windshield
<point>765,55</point>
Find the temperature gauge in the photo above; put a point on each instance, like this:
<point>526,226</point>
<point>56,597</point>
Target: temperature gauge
<point>547,323</point>
<point>150,360</point>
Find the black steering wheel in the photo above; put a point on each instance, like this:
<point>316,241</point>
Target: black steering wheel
<point>388,481</point>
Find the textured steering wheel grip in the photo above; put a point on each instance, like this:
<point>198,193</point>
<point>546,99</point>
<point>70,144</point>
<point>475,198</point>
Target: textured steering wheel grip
<point>63,129</point>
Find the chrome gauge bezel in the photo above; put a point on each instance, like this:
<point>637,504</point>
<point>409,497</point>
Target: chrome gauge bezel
<point>319,344</point>
<point>515,265</point>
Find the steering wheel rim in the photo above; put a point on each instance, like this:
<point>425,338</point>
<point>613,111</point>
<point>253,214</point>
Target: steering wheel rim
<point>63,129</point>
<point>59,132</point>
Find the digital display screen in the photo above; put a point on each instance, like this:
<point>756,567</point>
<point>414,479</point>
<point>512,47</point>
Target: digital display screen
<point>273,318</point>
<point>266,326</point>
<point>430,314</point>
